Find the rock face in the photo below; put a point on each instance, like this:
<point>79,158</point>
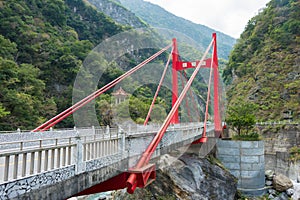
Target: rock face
<point>282,183</point>
<point>119,13</point>
<point>189,177</point>
<point>296,195</point>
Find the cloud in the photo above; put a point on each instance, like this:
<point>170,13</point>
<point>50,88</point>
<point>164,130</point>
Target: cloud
<point>227,16</point>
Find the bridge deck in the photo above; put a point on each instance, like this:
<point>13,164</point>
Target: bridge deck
<point>62,154</point>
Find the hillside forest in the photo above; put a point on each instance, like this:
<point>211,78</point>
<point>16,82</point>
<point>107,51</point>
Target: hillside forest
<point>42,45</point>
<point>264,65</point>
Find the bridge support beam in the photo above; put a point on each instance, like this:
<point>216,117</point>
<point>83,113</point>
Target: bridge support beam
<point>144,176</point>
<point>115,183</point>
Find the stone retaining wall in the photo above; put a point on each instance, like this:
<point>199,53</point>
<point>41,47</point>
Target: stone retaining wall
<point>281,164</point>
<point>278,141</point>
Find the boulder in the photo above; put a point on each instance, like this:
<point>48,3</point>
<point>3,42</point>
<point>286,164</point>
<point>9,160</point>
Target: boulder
<point>290,192</point>
<point>269,183</point>
<point>269,174</point>
<point>281,183</point>
<point>282,196</point>
<point>271,196</point>
<point>272,191</point>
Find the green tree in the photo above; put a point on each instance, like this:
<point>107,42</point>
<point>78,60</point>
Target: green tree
<point>104,110</point>
<point>22,104</point>
<point>3,112</point>
<point>7,48</point>
<point>241,116</point>
<point>158,114</point>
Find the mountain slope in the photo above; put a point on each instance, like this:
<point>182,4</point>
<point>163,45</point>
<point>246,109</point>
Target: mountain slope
<point>42,46</point>
<point>158,17</point>
<point>264,66</point>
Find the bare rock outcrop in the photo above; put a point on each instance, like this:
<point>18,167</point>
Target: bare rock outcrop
<point>188,177</point>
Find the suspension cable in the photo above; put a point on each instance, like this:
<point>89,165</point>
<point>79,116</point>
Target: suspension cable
<point>131,181</point>
<point>158,88</point>
<point>95,94</point>
<point>193,100</point>
<point>186,99</point>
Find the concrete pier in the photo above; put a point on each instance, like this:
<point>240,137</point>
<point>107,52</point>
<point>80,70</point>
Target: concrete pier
<point>245,160</point>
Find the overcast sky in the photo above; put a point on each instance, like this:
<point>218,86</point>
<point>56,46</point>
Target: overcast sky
<point>227,16</point>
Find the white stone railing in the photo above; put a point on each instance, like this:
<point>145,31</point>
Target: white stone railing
<point>25,154</point>
<point>97,148</point>
<point>83,149</point>
<point>49,154</point>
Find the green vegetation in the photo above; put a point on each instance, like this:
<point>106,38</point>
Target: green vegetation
<point>240,196</point>
<point>247,137</point>
<point>134,108</point>
<point>215,161</point>
<point>145,194</point>
<point>42,45</point>
<point>241,116</point>
<point>294,153</point>
<point>264,64</point>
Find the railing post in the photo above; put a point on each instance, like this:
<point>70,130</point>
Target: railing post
<point>93,130</point>
<point>122,144</point>
<point>118,130</point>
<point>172,127</point>
<point>6,168</point>
<point>32,158</point>
<point>79,155</point>
<point>107,130</point>
<point>24,164</point>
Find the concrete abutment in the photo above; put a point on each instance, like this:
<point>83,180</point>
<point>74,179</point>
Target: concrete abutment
<point>245,160</point>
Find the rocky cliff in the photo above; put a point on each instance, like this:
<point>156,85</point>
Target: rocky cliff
<point>118,13</point>
<point>189,177</point>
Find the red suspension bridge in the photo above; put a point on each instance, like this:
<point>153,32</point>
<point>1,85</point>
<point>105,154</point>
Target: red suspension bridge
<point>143,172</point>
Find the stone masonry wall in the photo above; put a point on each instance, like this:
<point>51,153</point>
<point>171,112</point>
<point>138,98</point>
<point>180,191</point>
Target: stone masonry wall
<point>278,140</point>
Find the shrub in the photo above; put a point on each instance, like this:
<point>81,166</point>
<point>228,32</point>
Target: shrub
<point>294,153</point>
<point>247,137</point>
